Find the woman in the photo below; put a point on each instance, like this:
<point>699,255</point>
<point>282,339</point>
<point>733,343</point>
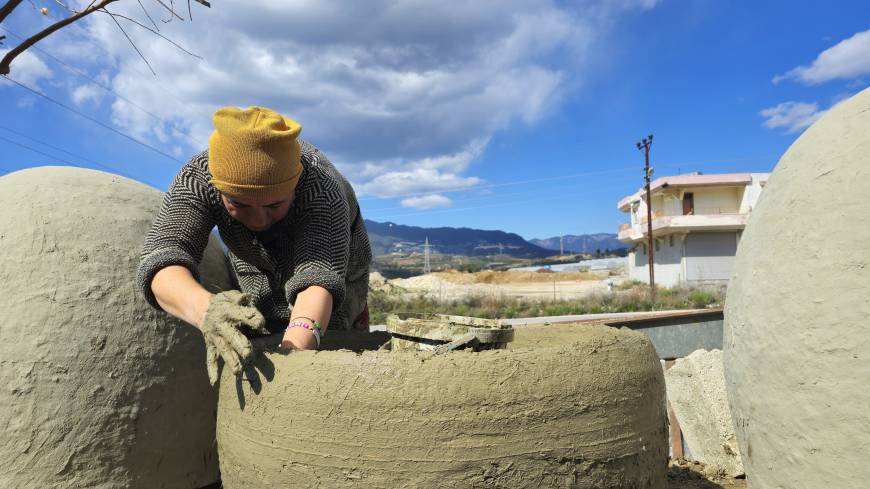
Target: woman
<point>296,240</point>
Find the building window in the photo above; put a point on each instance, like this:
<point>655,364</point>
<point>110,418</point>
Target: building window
<point>644,249</point>
<point>688,204</point>
<point>657,244</point>
<point>671,240</point>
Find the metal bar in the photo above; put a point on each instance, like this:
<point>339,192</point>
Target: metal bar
<point>676,432</point>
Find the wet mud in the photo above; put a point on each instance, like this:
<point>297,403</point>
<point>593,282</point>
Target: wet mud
<point>562,406</point>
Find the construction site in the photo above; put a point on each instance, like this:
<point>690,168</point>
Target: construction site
<point>102,391</point>
<point>235,331</point>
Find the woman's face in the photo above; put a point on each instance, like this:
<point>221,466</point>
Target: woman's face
<point>257,215</point>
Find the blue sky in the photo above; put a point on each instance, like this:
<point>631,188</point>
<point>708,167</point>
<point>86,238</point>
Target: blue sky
<point>519,115</point>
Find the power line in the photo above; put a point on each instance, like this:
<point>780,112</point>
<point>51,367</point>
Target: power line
<point>549,190</point>
<point>506,184</point>
<point>38,151</point>
<point>504,204</point>
<point>546,179</point>
<point>86,37</point>
<point>101,85</point>
<point>460,209</point>
<point>490,197</point>
<point>56,148</point>
<point>95,121</point>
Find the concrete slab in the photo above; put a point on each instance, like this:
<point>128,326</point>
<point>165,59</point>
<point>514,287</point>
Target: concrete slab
<point>696,392</point>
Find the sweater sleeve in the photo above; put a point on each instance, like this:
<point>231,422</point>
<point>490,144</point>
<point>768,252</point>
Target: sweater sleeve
<point>321,246</point>
<point>180,232</point>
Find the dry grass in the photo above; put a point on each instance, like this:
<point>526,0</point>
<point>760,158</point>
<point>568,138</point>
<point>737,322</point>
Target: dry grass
<point>490,277</point>
<point>632,299</point>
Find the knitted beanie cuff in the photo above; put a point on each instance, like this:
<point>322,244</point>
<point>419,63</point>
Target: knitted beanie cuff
<point>276,191</point>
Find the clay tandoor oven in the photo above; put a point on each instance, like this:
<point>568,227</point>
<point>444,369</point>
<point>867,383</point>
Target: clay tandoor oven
<point>561,406</point>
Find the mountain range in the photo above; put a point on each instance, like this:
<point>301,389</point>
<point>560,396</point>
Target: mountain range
<point>584,243</point>
<point>389,237</point>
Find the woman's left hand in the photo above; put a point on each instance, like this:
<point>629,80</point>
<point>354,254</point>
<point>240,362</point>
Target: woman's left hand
<point>298,339</point>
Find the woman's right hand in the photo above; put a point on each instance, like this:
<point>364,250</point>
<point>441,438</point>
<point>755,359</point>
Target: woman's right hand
<point>226,313</point>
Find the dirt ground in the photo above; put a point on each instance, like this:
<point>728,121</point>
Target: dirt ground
<point>682,474</point>
<point>685,474</point>
<point>526,285</point>
<point>490,277</point>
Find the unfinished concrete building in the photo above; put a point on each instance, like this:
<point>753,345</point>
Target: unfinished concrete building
<point>697,221</point>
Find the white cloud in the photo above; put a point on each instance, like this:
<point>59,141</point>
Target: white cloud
<point>430,201</point>
<point>86,93</point>
<point>25,102</point>
<point>456,162</point>
<point>792,116</point>
<point>27,68</point>
<point>403,96</point>
<point>850,58</point>
<point>415,181</point>
<point>400,177</point>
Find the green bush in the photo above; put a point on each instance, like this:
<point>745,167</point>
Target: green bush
<point>629,284</point>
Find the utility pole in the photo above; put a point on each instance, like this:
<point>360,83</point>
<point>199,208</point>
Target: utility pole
<point>427,268</point>
<point>644,146</point>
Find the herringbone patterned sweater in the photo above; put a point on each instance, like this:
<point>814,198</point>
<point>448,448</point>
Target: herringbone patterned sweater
<point>322,241</point>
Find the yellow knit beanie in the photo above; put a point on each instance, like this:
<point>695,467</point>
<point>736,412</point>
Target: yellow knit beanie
<point>254,153</point>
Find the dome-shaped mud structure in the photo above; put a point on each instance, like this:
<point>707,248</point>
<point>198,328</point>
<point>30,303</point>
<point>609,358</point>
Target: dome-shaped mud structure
<point>563,406</point>
<point>798,313</point>
<point>99,389</point>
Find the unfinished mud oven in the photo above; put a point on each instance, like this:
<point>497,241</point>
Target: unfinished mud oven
<point>104,391</point>
<point>674,335</point>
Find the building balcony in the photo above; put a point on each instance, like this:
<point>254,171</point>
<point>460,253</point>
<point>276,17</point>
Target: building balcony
<point>627,232</point>
<point>673,224</point>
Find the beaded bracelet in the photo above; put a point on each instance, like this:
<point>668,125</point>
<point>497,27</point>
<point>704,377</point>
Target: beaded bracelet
<point>315,322</point>
<point>301,324</point>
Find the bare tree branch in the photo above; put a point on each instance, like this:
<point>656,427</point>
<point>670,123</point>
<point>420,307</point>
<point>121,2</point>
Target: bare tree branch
<point>66,7</point>
<point>7,8</point>
<point>146,15</point>
<point>11,55</point>
<point>170,41</point>
<point>171,11</point>
<point>93,6</point>
<point>131,41</point>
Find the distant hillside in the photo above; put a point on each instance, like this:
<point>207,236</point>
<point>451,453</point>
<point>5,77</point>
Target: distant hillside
<point>585,243</point>
<point>388,237</point>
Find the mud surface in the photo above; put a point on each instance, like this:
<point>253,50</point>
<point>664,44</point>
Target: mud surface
<point>684,474</point>
<point>797,334</point>
<point>575,407</point>
<point>98,389</point>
